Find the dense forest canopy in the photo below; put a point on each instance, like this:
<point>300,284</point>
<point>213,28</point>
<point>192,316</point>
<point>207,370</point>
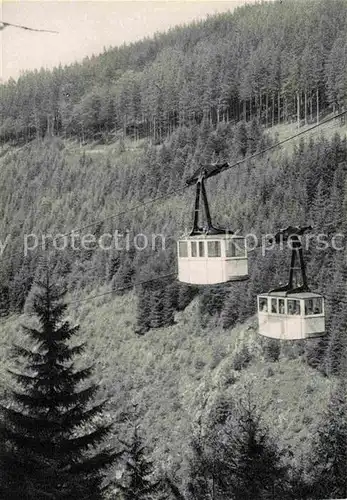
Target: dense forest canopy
<point>276,61</point>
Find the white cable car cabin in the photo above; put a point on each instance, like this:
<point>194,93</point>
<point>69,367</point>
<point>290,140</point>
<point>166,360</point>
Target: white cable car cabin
<point>212,255</point>
<point>210,259</point>
<point>288,312</point>
<point>293,316</point>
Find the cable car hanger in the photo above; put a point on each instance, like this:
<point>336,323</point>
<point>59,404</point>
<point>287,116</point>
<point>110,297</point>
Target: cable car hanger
<point>293,234</point>
<point>198,178</point>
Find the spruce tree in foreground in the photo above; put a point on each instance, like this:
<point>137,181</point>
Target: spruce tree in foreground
<point>51,428</point>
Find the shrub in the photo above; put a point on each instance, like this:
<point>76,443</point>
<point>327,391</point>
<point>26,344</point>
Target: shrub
<point>242,358</point>
<point>271,349</point>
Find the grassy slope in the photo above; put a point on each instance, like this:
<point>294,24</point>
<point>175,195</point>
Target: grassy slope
<point>328,130</point>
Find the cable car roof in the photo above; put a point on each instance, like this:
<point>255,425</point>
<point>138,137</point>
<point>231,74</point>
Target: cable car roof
<point>207,236</point>
<point>296,295</point>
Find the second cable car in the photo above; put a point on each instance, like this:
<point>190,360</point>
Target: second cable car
<point>289,312</point>
<point>210,255</point>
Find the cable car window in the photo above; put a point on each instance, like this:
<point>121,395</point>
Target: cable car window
<point>194,249</point>
<point>318,306</point>
<point>183,248</point>
<point>240,247</point>
<point>281,306</point>
<point>313,306</point>
<point>274,306</point>
<point>230,250</point>
<point>213,248</point>
<point>201,249</point>
<point>263,304</point>
<point>293,307</point>
<point>235,247</point>
<point>308,307</point>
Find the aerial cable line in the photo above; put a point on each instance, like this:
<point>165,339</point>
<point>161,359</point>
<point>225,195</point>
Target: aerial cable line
<point>329,224</point>
<point>118,289</point>
<point>109,292</point>
<point>125,212</point>
<point>125,287</point>
<point>4,25</point>
<point>177,191</point>
<point>132,285</point>
<point>226,166</point>
<point>280,143</point>
<point>113,216</point>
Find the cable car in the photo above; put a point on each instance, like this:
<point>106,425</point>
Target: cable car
<point>289,312</point>
<point>210,255</point>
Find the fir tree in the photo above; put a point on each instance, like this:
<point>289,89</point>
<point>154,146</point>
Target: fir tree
<point>240,139</point>
<point>212,300</point>
<point>113,266</point>
<point>51,427</point>
<point>123,279</point>
<point>186,294</point>
<point>250,465</point>
<point>138,483</point>
<point>336,345</point>
<point>157,313</point>
<point>230,310</point>
<point>143,312</point>
<point>330,451</point>
<point>169,303</point>
<point>4,301</point>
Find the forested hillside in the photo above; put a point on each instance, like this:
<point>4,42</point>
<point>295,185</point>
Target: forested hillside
<point>90,188</point>
<point>276,61</point>
<point>106,145</point>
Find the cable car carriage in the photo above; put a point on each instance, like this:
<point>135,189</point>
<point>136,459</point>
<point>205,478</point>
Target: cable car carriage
<point>210,255</point>
<point>289,312</point>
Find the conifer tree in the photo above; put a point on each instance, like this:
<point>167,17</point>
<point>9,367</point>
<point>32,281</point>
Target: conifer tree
<point>138,483</point>
<point>241,139</point>
<point>200,474</point>
<point>4,301</point>
<point>157,313</point>
<point>143,312</point>
<point>169,302</point>
<point>230,310</point>
<point>250,465</point>
<point>113,266</point>
<point>336,348</point>
<point>51,430</point>
<point>329,451</point>
<point>123,279</point>
<point>186,294</point>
